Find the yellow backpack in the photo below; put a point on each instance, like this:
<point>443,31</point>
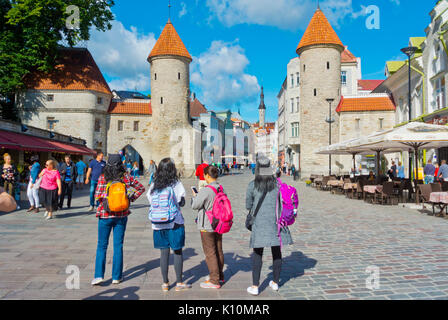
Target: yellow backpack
<point>117,199</point>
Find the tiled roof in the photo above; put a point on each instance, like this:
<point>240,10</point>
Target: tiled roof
<point>365,104</point>
<point>369,85</point>
<point>394,66</point>
<point>131,107</point>
<point>169,43</point>
<point>75,70</point>
<point>347,56</point>
<point>196,108</point>
<point>319,31</point>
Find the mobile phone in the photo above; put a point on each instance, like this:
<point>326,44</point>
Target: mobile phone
<point>194,190</point>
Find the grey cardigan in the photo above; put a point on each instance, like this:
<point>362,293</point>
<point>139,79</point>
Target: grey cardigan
<point>204,202</point>
<point>264,230</point>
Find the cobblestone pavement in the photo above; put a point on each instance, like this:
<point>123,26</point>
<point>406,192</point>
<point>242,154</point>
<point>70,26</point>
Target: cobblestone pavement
<point>336,239</point>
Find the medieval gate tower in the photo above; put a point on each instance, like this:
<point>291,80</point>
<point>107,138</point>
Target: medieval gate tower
<point>172,132</point>
<point>320,76</point>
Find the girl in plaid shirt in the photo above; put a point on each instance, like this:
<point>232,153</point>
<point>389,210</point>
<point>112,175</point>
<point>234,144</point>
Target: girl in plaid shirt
<point>114,171</point>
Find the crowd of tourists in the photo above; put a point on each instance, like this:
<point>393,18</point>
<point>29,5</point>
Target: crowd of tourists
<point>272,207</point>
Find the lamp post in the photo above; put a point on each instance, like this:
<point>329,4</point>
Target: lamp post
<point>409,52</point>
<point>329,120</point>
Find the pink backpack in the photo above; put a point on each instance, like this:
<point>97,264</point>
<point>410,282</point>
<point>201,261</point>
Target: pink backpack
<point>221,216</point>
<point>290,202</point>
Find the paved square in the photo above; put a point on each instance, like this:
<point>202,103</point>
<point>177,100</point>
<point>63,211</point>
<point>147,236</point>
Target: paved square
<point>336,239</point>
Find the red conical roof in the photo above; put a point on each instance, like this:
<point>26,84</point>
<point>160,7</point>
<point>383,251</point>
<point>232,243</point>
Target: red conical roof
<point>169,44</point>
<point>319,31</point>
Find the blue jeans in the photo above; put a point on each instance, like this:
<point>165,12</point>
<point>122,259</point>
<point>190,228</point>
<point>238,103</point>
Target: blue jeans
<point>105,226</point>
<point>429,179</point>
<point>93,185</point>
<point>151,178</point>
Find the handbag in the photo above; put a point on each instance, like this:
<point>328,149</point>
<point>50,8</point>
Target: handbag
<point>251,218</point>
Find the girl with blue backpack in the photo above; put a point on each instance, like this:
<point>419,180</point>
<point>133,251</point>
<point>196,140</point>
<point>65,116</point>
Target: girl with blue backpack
<point>166,196</point>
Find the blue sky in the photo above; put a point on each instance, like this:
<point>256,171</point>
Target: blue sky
<point>240,45</point>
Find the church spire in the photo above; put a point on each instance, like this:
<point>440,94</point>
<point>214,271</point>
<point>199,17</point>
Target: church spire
<point>262,105</point>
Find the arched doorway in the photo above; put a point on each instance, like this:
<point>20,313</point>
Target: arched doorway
<point>132,156</point>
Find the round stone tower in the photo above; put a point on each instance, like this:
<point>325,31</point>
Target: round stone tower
<point>172,131</point>
<point>320,79</point>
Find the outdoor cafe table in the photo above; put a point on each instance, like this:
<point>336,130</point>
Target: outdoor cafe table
<point>335,183</point>
<point>373,189</point>
<point>350,185</point>
<point>440,199</point>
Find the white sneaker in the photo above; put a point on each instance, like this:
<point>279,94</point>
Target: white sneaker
<point>273,285</point>
<point>91,209</point>
<point>49,217</point>
<point>46,214</point>
<point>117,281</point>
<point>97,281</point>
<point>253,291</point>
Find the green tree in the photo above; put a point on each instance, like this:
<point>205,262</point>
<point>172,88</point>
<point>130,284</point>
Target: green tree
<point>31,32</point>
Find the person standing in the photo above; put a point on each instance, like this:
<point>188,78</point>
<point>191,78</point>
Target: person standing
<point>152,171</point>
<point>50,188</point>
<point>68,173</point>
<point>80,170</point>
<point>94,172</point>
<point>10,175</point>
<point>211,241</point>
<point>400,171</point>
<point>436,172</point>
<point>33,185</point>
<point>169,235</point>
<point>129,167</point>
<point>115,222</point>
<point>443,171</point>
<point>200,175</point>
<point>393,171</point>
<point>263,202</point>
<point>429,172</point>
<point>135,170</point>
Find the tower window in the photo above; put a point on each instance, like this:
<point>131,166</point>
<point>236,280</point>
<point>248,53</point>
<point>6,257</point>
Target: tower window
<point>136,125</point>
<point>161,100</point>
<point>304,67</point>
<point>50,97</point>
<point>315,92</point>
<point>155,76</point>
<point>178,75</point>
<point>328,65</point>
<point>97,125</point>
<point>120,125</point>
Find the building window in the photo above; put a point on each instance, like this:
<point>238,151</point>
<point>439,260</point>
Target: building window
<point>292,105</point>
<point>51,123</point>
<point>99,100</point>
<point>292,81</point>
<point>315,92</point>
<point>380,124</point>
<point>328,65</point>
<point>304,68</point>
<point>440,93</point>
<point>297,104</point>
<point>298,78</point>
<point>50,97</point>
<point>357,124</point>
<point>97,125</point>
<point>120,125</point>
<point>295,129</point>
<point>178,76</point>
<point>155,76</point>
<point>161,100</point>
<point>344,78</point>
<point>136,124</point>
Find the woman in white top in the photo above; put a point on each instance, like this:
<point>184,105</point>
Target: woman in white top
<point>171,235</point>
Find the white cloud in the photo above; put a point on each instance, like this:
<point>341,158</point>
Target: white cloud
<point>219,73</point>
<point>121,53</point>
<point>184,10</point>
<point>397,2</point>
<point>284,14</point>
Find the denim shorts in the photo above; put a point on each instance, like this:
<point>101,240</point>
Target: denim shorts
<point>170,238</point>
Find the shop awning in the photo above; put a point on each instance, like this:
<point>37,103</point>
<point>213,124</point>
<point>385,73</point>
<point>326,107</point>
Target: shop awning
<point>17,141</point>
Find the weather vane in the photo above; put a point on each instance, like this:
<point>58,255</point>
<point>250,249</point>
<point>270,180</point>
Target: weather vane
<point>169,9</point>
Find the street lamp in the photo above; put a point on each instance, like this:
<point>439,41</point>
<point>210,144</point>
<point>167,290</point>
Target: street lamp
<point>329,120</point>
<point>409,51</point>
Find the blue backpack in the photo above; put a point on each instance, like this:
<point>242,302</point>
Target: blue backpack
<point>164,207</point>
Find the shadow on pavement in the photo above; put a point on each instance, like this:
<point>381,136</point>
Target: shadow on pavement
<point>116,294</point>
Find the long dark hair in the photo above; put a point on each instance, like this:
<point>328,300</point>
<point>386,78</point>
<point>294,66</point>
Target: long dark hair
<point>114,172</point>
<point>165,176</point>
<point>264,183</point>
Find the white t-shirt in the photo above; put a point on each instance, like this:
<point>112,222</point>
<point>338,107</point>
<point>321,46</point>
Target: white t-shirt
<point>179,191</point>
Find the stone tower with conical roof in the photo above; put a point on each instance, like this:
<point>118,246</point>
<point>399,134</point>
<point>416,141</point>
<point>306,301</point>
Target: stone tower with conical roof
<point>172,131</point>
<point>320,79</point>
<point>262,110</point>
